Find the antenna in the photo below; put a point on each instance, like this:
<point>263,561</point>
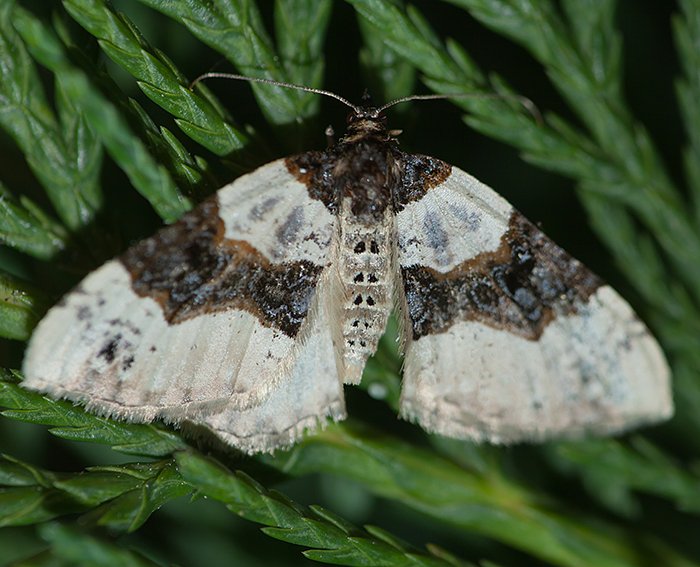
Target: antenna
<point>345,101</point>
<point>524,101</point>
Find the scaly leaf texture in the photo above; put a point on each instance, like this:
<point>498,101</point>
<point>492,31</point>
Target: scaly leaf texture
<point>25,227</point>
<point>620,469</point>
<point>69,546</point>
<point>21,306</point>
<point>157,77</point>
<point>489,503</point>
<point>123,497</point>
<point>686,28</point>
<point>51,144</point>
<point>148,177</point>
<point>300,29</point>
<point>71,422</point>
<point>335,541</point>
<point>486,504</point>
<point>235,29</point>
<point>389,76</point>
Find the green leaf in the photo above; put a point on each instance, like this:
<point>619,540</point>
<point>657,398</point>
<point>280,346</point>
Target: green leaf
<point>52,146</point>
<point>300,28</point>
<point>612,470</point>
<point>147,176</point>
<point>388,76</point>
<point>157,76</point>
<point>235,29</point>
<point>408,40</point>
<point>342,543</point>
<point>152,485</point>
<point>119,497</point>
<point>483,503</point>
<point>27,496</point>
<point>25,227</point>
<point>82,550</point>
<point>71,422</point>
<point>21,306</point>
<point>686,28</point>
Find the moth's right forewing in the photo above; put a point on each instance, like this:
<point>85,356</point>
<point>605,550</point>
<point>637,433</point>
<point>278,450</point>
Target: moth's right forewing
<point>509,338</point>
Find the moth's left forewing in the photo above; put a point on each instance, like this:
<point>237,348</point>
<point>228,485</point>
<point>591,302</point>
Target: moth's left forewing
<point>213,320</point>
<point>507,336</point>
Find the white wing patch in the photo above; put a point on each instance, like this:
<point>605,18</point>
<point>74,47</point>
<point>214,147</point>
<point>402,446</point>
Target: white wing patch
<point>452,222</point>
<point>272,210</point>
<point>124,358</point>
<point>597,371</point>
<point>311,391</point>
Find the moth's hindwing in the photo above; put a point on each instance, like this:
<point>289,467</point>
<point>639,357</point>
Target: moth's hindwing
<point>507,336</point>
<point>219,319</point>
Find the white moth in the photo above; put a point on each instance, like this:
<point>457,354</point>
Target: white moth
<point>248,315</point>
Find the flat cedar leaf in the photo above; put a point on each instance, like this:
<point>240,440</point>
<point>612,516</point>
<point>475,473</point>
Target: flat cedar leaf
<point>131,509</point>
<point>388,76</point>
<point>309,533</point>
<point>620,469</point>
<point>26,505</point>
<point>72,422</point>
<point>340,523</point>
<point>686,34</point>
<point>215,481</point>
<point>189,172</point>
<point>156,77</point>
<point>50,147</point>
<point>82,550</point>
<point>370,553</point>
<point>95,487</point>
<point>21,306</point>
<point>386,537</point>
<point>120,497</point>
<point>402,35</point>
<point>24,227</point>
<point>485,504</point>
<point>291,523</point>
<point>148,177</point>
<point>300,30</point>
<point>14,472</point>
<point>448,557</point>
<point>237,32</point>
<point>99,484</point>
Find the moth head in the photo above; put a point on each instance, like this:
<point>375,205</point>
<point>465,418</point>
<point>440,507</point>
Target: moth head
<point>365,122</point>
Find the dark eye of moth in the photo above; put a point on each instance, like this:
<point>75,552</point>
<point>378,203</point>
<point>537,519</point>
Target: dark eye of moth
<point>359,247</point>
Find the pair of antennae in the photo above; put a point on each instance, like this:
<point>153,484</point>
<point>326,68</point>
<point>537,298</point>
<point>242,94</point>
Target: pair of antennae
<point>526,102</point>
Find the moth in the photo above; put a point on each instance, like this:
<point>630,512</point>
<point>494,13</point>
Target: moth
<point>249,314</point>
